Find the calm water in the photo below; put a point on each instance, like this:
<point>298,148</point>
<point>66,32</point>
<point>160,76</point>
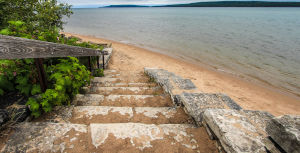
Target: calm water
<point>260,44</point>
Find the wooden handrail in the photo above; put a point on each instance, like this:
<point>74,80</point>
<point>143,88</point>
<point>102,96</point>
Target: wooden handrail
<point>21,48</point>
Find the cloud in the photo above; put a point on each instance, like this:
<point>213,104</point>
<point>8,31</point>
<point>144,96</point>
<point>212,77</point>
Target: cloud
<point>97,3</point>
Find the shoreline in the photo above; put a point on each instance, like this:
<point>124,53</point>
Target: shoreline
<point>249,94</point>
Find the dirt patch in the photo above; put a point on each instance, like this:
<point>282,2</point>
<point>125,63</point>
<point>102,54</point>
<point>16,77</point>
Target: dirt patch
<point>73,141</point>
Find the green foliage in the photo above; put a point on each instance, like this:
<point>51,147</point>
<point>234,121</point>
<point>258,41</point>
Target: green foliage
<point>18,75</point>
<point>38,15</point>
<point>34,107</point>
<point>98,73</point>
<point>66,77</point>
<point>41,20</point>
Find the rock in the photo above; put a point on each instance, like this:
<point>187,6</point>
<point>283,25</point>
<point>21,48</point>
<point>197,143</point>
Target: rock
<point>259,119</point>
<point>3,117</point>
<point>171,83</point>
<point>196,103</point>
<point>236,130</point>
<point>285,131</point>
<point>18,113</point>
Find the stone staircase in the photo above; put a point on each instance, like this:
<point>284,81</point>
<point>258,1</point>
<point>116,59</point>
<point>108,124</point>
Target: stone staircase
<point>121,112</point>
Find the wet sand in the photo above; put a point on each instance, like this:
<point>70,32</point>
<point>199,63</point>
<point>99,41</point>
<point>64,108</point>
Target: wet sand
<point>250,95</point>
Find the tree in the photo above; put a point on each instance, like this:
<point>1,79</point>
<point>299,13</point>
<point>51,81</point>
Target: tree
<point>38,15</point>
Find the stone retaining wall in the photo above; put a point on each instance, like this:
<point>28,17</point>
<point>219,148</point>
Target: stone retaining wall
<point>235,129</point>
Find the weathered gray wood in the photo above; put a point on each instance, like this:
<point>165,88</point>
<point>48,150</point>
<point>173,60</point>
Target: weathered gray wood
<point>20,48</point>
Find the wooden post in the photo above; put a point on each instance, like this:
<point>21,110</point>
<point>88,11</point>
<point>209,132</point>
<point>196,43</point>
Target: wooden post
<point>98,63</point>
<point>103,62</point>
<point>41,73</point>
<point>90,64</point>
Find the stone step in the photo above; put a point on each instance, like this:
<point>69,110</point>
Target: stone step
<point>123,100</point>
<point>118,137</point>
<point>108,80</point>
<point>238,131</point>
<point>113,72</point>
<point>126,75</point>
<point>48,137</point>
<point>108,72</point>
<point>107,114</point>
<point>108,84</point>
<point>150,138</point>
<point>149,115</point>
<point>125,90</point>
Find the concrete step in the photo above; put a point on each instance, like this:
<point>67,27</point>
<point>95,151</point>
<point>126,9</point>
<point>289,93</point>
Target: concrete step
<point>108,84</point>
<point>126,75</point>
<point>48,137</point>
<point>108,72</point>
<point>149,115</point>
<point>123,100</point>
<point>150,138</point>
<point>125,90</point>
<point>107,114</point>
<point>118,137</point>
<point>109,80</point>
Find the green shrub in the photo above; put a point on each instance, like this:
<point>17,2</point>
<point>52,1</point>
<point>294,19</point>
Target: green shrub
<point>41,20</point>
<point>65,78</point>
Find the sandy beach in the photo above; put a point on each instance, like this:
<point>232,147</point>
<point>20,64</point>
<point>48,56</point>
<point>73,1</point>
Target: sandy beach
<point>249,95</point>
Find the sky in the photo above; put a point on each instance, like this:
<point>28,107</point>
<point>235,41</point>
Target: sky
<point>98,3</point>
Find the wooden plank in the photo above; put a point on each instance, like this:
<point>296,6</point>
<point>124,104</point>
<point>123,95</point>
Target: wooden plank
<point>20,48</point>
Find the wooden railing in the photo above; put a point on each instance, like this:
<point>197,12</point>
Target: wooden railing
<point>21,48</point>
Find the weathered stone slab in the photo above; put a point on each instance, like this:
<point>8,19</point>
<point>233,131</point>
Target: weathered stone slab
<point>238,131</point>
<point>18,113</point>
<point>107,114</point>
<point>171,83</point>
<point>126,90</point>
<point>47,137</point>
<point>143,137</point>
<point>285,131</point>
<point>3,117</point>
<point>196,103</point>
<point>88,99</point>
<point>123,100</point>
<point>59,114</point>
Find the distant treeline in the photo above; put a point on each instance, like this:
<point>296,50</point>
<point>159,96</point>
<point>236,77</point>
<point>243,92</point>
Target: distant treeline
<point>237,4</point>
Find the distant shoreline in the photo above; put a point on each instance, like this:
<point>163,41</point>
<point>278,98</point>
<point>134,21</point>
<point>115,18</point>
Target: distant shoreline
<point>220,4</point>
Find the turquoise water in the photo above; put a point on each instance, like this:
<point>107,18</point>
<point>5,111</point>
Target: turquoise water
<point>258,44</point>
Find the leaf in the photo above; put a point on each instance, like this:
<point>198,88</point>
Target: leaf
<point>36,89</point>
<point>5,32</point>
<point>1,92</point>
<point>34,105</point>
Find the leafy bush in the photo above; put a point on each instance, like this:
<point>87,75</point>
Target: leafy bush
<point>38,15</point>
<point>65,75</point>
<point>98,73</point>
<point>19,75</point>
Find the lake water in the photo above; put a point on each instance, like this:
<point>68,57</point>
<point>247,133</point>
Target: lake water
<point>259,44</point>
